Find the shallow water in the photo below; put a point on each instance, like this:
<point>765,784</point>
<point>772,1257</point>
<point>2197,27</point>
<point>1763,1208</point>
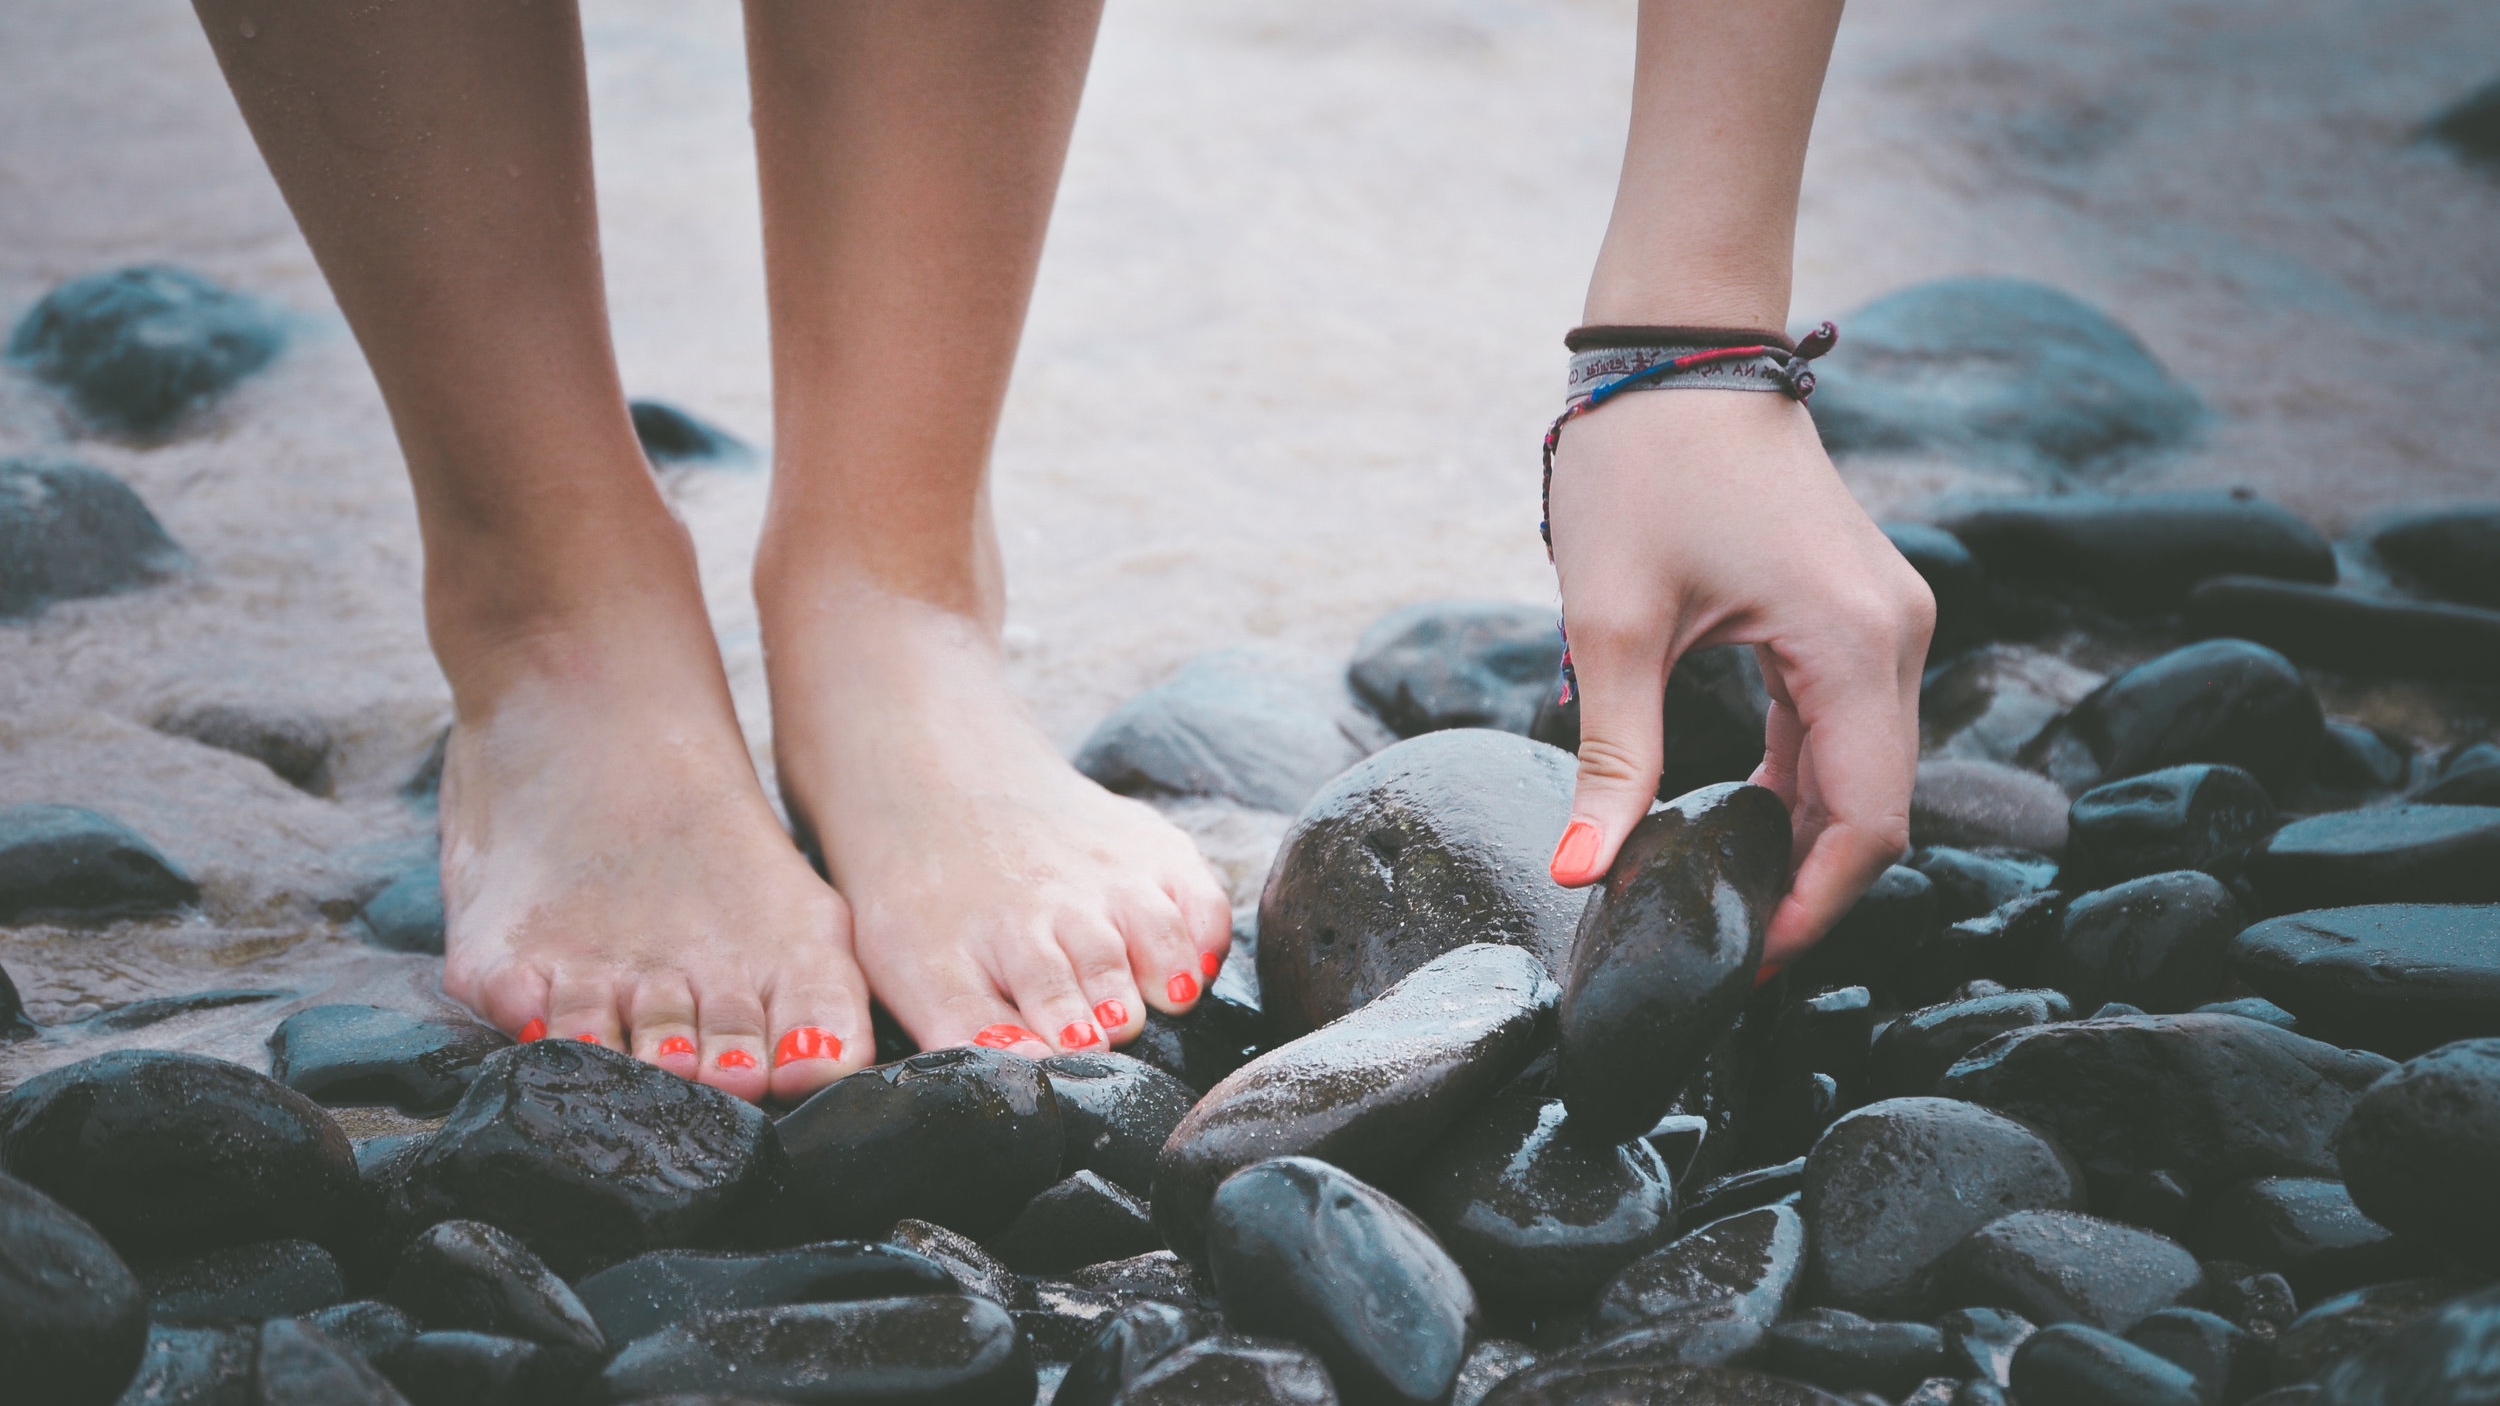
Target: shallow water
<point>1297,332</point>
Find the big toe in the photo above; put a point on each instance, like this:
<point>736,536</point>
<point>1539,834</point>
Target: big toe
<point>820,1032</point>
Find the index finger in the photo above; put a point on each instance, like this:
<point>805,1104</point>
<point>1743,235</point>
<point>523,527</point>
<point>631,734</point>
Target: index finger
<point>1856,768</point>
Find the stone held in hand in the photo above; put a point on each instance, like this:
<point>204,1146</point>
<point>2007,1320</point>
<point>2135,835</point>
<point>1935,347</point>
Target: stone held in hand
<point>1438,842</point>
<point>1264,728</point>
<point>268,1279</point>
<point>1749,1264</point>
<point>2420,1152</point>
<point>67,864</point>
<point>1665,955</point>
<point>2394,854</point>
<point>73,1321</point>
<point>961,1137</point>
<point>69,531</point>
<point>2067,1267</point>
<point>172,1153</point>
<point>372,1054</point>
<point>939,1349</point>
<point>2397,979</point>
<point>133,348</point>
<point>465,1275</point>
<point>659,1287</point>
<point>1369,1091</point>
<point>1458,664</point>
<point>2227,702</point>
<point>1116,1112</point>
<point>1307,1251</point>
<point>590,1156</point>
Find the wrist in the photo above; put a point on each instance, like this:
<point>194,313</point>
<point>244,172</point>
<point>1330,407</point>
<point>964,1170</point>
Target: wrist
<point>1684,291</point>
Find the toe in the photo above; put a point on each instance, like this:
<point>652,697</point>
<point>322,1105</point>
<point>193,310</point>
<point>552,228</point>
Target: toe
<point>660,1025</point>
<point>1098,956</point>
<point>513,999</point>
<point>582,1005</point>
<point>1165,962</point>
<point>729,1043</point>
<point>1044,987</point>
<point>820,1033</point>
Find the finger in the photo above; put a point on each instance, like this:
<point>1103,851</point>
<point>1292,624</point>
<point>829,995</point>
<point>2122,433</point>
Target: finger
<point>660,1025</point>
<point>1622,675</point>
<point>1783,735</point>
<point>1857,766</point>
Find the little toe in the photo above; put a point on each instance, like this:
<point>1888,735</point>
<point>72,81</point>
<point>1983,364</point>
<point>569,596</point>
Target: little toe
<point>513,1000</point>
<point>1164,961</point>
<point>661,1026</point>
<point>729,1050</point>
<point>582,1005</point>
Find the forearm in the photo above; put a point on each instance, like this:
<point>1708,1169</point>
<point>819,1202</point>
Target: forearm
<point>1705,217</point>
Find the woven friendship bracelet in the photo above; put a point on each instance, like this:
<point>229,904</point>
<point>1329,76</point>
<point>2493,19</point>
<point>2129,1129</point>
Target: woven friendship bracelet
<point>1607,361</point>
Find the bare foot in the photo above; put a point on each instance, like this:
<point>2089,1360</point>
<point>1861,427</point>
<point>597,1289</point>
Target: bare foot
<point>999,898</point>
<point>613,872</point>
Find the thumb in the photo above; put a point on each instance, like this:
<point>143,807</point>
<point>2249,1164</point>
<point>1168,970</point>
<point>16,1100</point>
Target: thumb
<point>1622,736</point>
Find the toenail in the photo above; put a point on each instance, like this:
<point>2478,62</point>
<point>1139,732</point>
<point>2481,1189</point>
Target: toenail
<point>1210,963</point>
<point>1078,1035</point>
<point>676,1045</point>
<point>999,1037</point>
<point>535,1030</point>
<point>1182,989</point>
<point>587,1038</point>
<point>735,1059</point>
<point>1112,1014</point>
<point>806,1042</point>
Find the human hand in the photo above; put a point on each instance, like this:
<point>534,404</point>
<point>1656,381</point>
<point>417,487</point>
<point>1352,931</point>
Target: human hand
<point>1687,518</point>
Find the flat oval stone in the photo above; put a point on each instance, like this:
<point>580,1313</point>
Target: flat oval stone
<point>1703,1335</point>
<point>1116,1112</point>
<point>1264,728</point>
<point>344,1055</point>
<point>463,1275</point>
<point>2158,943</point>
<point>2197,816</point>
<point>2421,1151</point>
<point>2067,1267</point>
<point>1891,1188</point>
<point>365,1327</point>
<point>1534,1214</point>
<point>1309,1252</point>
<point>2393,854</point>
<point>270,1279</point>
<point>170,1153</point>
<point>2213,1098</point>
<point>2454,550</point>
<point>2074,1362</point>
<point>1369,1091</point>
<point>2140,553</point>
<point>660,1287</point>
<point>296,1364</point>
<point>66,864</point>
<point>1665,955</point>
<point>1917,1047</point>
<point>2228,702</point>
<point>73,1322</point>
<point>1458,664</point>
<point>1749,1262</point>
<point>1436,843</point>
<point>2396,978</point>
<point>941,1349</point>
<point>1234,1371</point>
<point>590,1156</point>
<point>2353,633</point>
<point>960,1137</point>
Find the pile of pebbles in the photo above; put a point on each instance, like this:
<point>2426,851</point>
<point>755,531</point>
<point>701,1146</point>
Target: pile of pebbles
<point>2165,1070</point>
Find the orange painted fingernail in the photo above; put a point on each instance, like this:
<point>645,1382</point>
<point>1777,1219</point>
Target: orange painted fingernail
<point>1210,963</point>
<point>1576,854</point>
<point>999,1037</point>
<point>806,1042</point>
<point>1112,1014</point>
<point>1182,989</point>
<point>1079,1034</point>
<point>535,1030</point>
<point>676,1045</point>
<point>735,1059</point>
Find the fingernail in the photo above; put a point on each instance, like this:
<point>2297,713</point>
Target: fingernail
<point>535,1030</point>
<point>999,1037</point>
<point>1078,1035</point>
<point>587,1038</point>
<point>1182,989</point>
<point>1576,854</point>
<point>735,1059</point>
<point>1209,963</point>
<point>1763,975</point>
<point>1112,1014</point>
<point>675,1045</point>
<point>806,1042</point>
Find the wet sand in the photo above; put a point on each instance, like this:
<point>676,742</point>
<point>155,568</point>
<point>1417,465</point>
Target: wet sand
<point>1297,332</point>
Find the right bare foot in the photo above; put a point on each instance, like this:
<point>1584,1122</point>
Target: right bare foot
<point>612,870</point>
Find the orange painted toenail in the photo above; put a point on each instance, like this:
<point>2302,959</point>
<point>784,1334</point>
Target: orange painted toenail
<point>806,1042</point>
<point>587,1038</point>
<point>999,1037</point>
<point>676,1045</point>
<point>535,1030</point>
<point>1209,963</point>
<point>1112,1014</point>
<point>735,1059</point>
<point>1182,988</point>
<point>1576,855</point>
<point>1079,1034</point>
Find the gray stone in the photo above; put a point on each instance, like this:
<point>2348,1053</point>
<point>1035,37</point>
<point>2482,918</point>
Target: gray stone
<point>2454,551</point>
<point>2308,1230</point>
<point>1749,1263</point>
<point>2074,1364</point>
<point>1230,1370</point>
<point>2349,1324</point>
<point>936,1348</point>
<point>462,1275</point>
<point>2159,943</point>
<point>407,915</point>
<point>1834,1348</point>
<point>1080,1221</point>
<point>295,745</point>
<point>2421,1151</point>
<point>1975,803</point>
<point>1986,704</point>
<point>296,1364</point>
<point>1447,664</point>
<point>136,347</point>
<point>1133,1339</point>
<point>1654,1383</point>
<point>2180,817</point>
<point>660,1287</point>
<point>2448,1357</point>
<point>2398,979</point>
<point>1917,1047</point>
<point>1489,1364</point>
<point>2393,854</point>
<point>344,1055</point>
<point>70,531</point>
<point>962,1137</point>
<point>1115,1112</point>
<point>1261,727</point>
<point>2067,1267</point>
<point>2352,633</point>
<point>2227,1361</point>
<point>73,1321</point>
<point>65,864</point>
<point>2139,554</point>
<point>2228,702</point>
<point>267,1279</point>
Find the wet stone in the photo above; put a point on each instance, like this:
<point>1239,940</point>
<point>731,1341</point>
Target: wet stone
<point>2259,1301</point>
<point>1654,1384</point>
<point>296,1364</point>
<point>2000,370</point>
<point>2140,554</point>
<point>2226,702</point>
<point>156,1010</point>
<point>1489,1363</point>
<point>2398,979</point>
<point>461,1275</point>
<point>2067,1267</point>
<point>133,348</point>
<point>2421,1151</point>
<point>2397,854</point>
<point>1436,843</point>
<point>1743,1191</point>
<point>2213,1098</point>
<point>1665,954</point>
<point>1533,1213</point>
<point>2256,1008</point>
<point>2349,1324</point>
<point>1133,1339</point>
<point>1980,1343</point>
<point>68,531</point>
<point>2469,776</point>
<point>2159,943</point>
<point>660,1287</point>
<point>1079,1221</point>
<point>2357,758</point>
<point>2453,551</point>
<point>941,1348</point>
<point>2448,1357</point>
<point>1970,882</point>
<point>672,436</point>
<point>961,1137</point>
<point>295,745</point>
<point>1159,1275</point>
<point>1368,1092</point>
<point>1871,944</point>
<point>1748,1263</point>
<point>365,1327</point>
<point>1833,1348</point>
<point>589,1157</point>
<point>171,1153</point>
<point>1979,804</point>
<point>2352,633</point>
<point>2228,1363</point>
<point>1265,728</point>
<point>975,1271</point>
<point>1116,1112</point>
<point>1306,1251</point>
<point>1987,703</point>
<point>191,1367</point>
<point>1059,1319</point>
<point>407,915</point>
<point>1233,1371</point>
<point>345,1055</point>
<point>1458,664</point>
<point>2073,1364</point>
<point>270,1279</point>
<point>2308,1229</point>
<point>73,1321</point>
<point>64,864</point>
<point>1204,1045</point>
<point>14,1024</point>
<point>459,1367</point>
<point>1894,1186</point>
<point>1917,1047</point>
<point>1702,1335</point>
<point>2197,816</point>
